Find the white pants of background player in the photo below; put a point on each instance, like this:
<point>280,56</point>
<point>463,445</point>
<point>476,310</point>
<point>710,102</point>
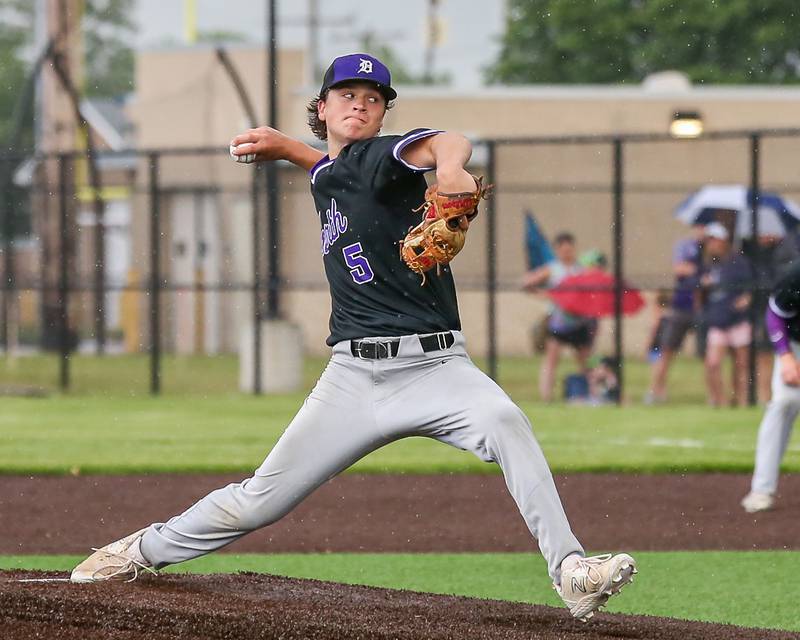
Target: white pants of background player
<point>775,430</point>
<point>358,406</point>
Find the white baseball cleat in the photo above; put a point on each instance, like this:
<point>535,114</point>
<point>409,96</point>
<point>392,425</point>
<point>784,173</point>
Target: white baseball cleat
<point>754,502</point>
<point>588,583</point>
<point>120,560</point>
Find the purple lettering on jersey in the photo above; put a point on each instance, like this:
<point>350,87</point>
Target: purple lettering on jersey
<point>333,228</point>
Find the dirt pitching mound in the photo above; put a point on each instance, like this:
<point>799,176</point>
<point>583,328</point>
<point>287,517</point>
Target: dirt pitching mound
<point>249,606</point>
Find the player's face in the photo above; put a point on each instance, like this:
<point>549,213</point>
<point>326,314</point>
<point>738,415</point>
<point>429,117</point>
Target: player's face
<point>352,112</point>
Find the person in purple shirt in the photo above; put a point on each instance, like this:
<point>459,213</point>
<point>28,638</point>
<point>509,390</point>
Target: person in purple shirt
<point>728,280</point>
<point>681,318</point>
<point>783,326</point>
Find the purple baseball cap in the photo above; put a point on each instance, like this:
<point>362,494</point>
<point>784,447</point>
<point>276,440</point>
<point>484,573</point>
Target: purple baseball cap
<point>359,66</point>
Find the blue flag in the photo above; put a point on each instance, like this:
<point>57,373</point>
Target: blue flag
<point>539,251</point>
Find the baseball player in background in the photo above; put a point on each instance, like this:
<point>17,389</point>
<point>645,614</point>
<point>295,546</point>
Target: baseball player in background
<point>783,328</point>
<point>399,367</point>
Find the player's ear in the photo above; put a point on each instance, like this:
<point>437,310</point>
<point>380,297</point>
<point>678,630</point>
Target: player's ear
<point>321,109</point>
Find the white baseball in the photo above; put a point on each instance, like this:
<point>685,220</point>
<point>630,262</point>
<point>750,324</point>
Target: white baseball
<point>246,158</point>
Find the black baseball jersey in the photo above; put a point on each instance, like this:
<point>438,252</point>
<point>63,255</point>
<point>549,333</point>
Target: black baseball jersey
<point>785,301</point>
<point>365,199</point>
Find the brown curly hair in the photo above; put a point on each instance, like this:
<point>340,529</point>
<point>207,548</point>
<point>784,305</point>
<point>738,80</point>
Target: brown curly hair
<point>318,127</point>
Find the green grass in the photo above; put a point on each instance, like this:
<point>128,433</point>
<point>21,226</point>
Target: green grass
<point>129,375</point>
<point>110,424</point>
<point>744,588</point>
<point>233,433</point>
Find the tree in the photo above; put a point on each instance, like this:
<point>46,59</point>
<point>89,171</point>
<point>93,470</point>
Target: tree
<point>13,68</point>
<point>109,71</point>
<point>108,31</point>
<point>602,41</point>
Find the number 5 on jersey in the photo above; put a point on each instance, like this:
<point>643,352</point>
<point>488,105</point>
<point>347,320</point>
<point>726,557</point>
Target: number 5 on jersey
<point>358,264</point>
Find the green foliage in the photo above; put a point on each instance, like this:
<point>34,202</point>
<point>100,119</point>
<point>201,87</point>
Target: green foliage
<point>15,16</point>
<point>108,30</point>
<point>741,588</point>
<point>604,41</point>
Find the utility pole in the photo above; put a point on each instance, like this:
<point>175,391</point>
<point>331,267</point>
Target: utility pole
<point>432,40</point>
<point>313,41</point>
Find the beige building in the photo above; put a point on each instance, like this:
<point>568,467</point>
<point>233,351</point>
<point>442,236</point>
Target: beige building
<point>185,99</point>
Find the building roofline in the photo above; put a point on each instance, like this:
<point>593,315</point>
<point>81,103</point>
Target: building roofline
<point>113,138</point>
<point>178,47</point>
<point>595,92</point>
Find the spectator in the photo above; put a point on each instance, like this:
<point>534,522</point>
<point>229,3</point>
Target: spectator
<point>772,258</point>
<point>787,253</point>
<point>563,329</point>
<point>599,385</point>
<point>782,319</point>
<point>728,279</point>
<point>661,316</point>
<point>765,267</point>
<point>681,317</point>
<point>604,382</point>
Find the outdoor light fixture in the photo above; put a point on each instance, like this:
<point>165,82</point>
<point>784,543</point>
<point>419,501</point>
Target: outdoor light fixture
<point>686,124</point>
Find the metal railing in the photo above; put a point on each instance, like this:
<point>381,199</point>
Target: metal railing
<point>266,281</point>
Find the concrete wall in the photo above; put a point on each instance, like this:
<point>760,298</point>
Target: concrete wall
<point>184,99</point>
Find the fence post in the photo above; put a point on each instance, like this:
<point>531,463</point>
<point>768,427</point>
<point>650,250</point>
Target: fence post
<point>491,257</point>
<point>63,281</point>
<point>273,237</point>
<point>7,223</point>
<point>755,305</point>
<point>273,188</point>
<point>256,282</point>
<point>619,271</point>
<point>99,270</point>
<point>155,277</point>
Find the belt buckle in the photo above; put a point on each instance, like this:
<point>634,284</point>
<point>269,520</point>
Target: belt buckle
<point>383,349</point>
<point>441,338</point>
<point>357,348</point>
<point>379,350</point>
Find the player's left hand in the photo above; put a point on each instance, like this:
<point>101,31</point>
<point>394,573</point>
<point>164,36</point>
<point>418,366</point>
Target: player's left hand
<point>259,145</point>
<point>436,240</point>
<point>455,179</point>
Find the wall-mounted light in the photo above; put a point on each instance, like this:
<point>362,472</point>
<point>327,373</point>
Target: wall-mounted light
<point>686,124</point>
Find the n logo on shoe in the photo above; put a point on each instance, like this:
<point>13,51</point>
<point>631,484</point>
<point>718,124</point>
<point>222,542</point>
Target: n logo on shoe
<point>579,585</point>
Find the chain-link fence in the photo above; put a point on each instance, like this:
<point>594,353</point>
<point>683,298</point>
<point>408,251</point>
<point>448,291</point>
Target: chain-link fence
<point>177,251</point>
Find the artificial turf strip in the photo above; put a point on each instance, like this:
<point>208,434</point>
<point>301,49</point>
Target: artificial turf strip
<point>748,588</point>
<point>233,433</point>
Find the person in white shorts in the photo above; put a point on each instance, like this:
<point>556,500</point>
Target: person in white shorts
<point>727,280</point>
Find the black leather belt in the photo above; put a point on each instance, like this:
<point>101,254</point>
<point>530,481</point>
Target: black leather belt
<point>380,349</point>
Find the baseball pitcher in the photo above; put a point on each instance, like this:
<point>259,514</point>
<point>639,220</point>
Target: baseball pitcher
<point>398,366</point>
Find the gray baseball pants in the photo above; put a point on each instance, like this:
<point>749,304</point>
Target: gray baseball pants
<point>358,406</point>
<point>775,430</point>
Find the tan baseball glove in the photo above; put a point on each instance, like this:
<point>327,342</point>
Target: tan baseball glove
<point>440,236</point>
